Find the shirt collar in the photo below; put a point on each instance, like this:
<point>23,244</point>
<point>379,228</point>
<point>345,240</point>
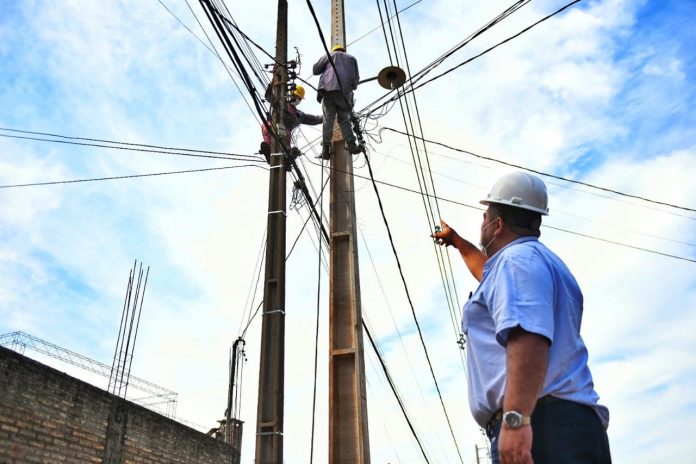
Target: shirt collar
<point>494,258</point>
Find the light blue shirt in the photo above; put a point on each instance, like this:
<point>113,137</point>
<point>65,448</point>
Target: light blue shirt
<point>525,284</point>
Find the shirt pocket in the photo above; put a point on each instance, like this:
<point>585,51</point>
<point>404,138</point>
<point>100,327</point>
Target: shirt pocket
<point>465,316</point>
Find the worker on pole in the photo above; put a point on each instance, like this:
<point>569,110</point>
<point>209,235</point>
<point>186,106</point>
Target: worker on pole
<point>292,118</point>
<point>338,79</point>
<point>530,386</point>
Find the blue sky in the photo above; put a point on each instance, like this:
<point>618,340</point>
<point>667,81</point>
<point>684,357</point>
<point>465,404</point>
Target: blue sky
<point>602,93</point>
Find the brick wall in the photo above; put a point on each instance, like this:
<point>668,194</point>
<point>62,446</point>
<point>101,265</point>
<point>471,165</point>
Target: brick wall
<point>47,416</point>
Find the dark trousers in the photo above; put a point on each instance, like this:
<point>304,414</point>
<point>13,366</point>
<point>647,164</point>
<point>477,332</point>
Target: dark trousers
<point>564,432</point>
<point>334,106</point>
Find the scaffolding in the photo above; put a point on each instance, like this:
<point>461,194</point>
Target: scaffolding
<point>156,398</point>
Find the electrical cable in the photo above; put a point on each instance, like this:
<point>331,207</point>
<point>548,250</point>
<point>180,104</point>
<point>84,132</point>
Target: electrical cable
<point>466,205</point>
<point>214,16</point>
<point>215,52</point>
<point>626,245</point>
<point>130,176</point>
<point>381,25</point>
<point>423,72</point>
<point>135,147</point>
<point>316,333</point>
<point>428,183</point>
<point>310,216</point>
<point>253,285</point>
<point>130,144</point>
<point>375,405</point>
<point>398,332</point>
<point>563,8</point>
<point>425,188</point>
<point>546,174</point>
<point>187,28</point>
<point>408,296</point>
<point>559,185</point>
<point>394,391</point>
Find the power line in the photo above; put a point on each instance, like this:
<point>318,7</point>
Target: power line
<point>466,205</point>
<point>187,28</point>
<point>408,295</point>
<point>316,333</point>
<point>559,185</point>
<point>131,176</point>
<point>130,144</point>
<point>254,284</point>
<point>424,176</point>
<point>396,328</point>
<point>394,390</point>
<point>427,69</point>
<point>546,174</point>
<point>626,245</point>
<point>545,18</point>
<point>381,25</point>
<point>215,52</point>
<point>137,147</point>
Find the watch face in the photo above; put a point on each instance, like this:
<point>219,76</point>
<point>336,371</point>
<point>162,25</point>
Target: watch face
<point>513,419</point>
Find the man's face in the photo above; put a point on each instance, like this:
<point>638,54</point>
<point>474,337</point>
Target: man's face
<point>488,226</point>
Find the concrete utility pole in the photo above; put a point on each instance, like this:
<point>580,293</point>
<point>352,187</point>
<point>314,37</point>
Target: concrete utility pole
<point>269,417</point>
<point>348,432</point>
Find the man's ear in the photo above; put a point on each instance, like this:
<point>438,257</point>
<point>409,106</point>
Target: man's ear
<point>499,226</point>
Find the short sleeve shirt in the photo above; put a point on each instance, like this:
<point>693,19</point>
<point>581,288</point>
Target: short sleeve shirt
<point>526,285</point>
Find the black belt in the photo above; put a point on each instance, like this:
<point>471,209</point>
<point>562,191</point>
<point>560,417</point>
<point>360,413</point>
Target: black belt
<point>495,420</point>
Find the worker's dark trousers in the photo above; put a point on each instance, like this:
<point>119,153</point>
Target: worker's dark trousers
<point>564,432</point>
<point>334,106</point>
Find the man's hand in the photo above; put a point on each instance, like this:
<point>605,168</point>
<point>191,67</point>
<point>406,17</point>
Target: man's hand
<point>515,445</point>
<point>472,256</point>
<point>446,235</point>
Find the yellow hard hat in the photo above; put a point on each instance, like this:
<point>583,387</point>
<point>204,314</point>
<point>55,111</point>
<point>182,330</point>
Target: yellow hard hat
<point>299,92</point>
<point>338,47</point>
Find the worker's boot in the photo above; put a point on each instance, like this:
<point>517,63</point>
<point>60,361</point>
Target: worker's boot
<point>325,152</point>
<point>265,150</point>
<point>354,148</point>
<point>294,153</point>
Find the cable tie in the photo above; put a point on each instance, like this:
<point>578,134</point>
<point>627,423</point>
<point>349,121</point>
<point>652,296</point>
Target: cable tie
<point>278,211</point>
<point>274,311</point>
<point>269,433</point>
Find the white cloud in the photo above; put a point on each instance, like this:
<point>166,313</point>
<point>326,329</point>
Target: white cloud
<point>570,97</point>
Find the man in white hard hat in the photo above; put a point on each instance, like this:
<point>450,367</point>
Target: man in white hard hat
<point>337,82</point>
<point>529,384</point>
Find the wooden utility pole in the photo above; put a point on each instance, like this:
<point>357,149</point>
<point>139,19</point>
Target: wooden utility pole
<point>269,416</point>
<point>348,432</point>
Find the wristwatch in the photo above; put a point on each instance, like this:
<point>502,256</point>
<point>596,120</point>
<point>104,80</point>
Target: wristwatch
<point>515,420</point>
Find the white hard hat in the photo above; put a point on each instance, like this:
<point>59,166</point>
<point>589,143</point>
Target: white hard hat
<point>519,190</point>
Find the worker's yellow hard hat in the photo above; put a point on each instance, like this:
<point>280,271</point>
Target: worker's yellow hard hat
<point>338,47</point>
<point>299,92</point>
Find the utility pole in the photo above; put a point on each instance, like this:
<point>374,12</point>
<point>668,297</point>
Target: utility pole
<point>233,426</point>
<point>269,416</point>
<point>348,432</point>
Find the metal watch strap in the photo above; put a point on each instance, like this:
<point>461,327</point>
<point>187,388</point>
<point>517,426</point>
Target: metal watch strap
<point>515,420</point>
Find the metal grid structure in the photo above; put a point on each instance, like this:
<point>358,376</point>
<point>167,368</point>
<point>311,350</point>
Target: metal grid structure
<point>156,398</point>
